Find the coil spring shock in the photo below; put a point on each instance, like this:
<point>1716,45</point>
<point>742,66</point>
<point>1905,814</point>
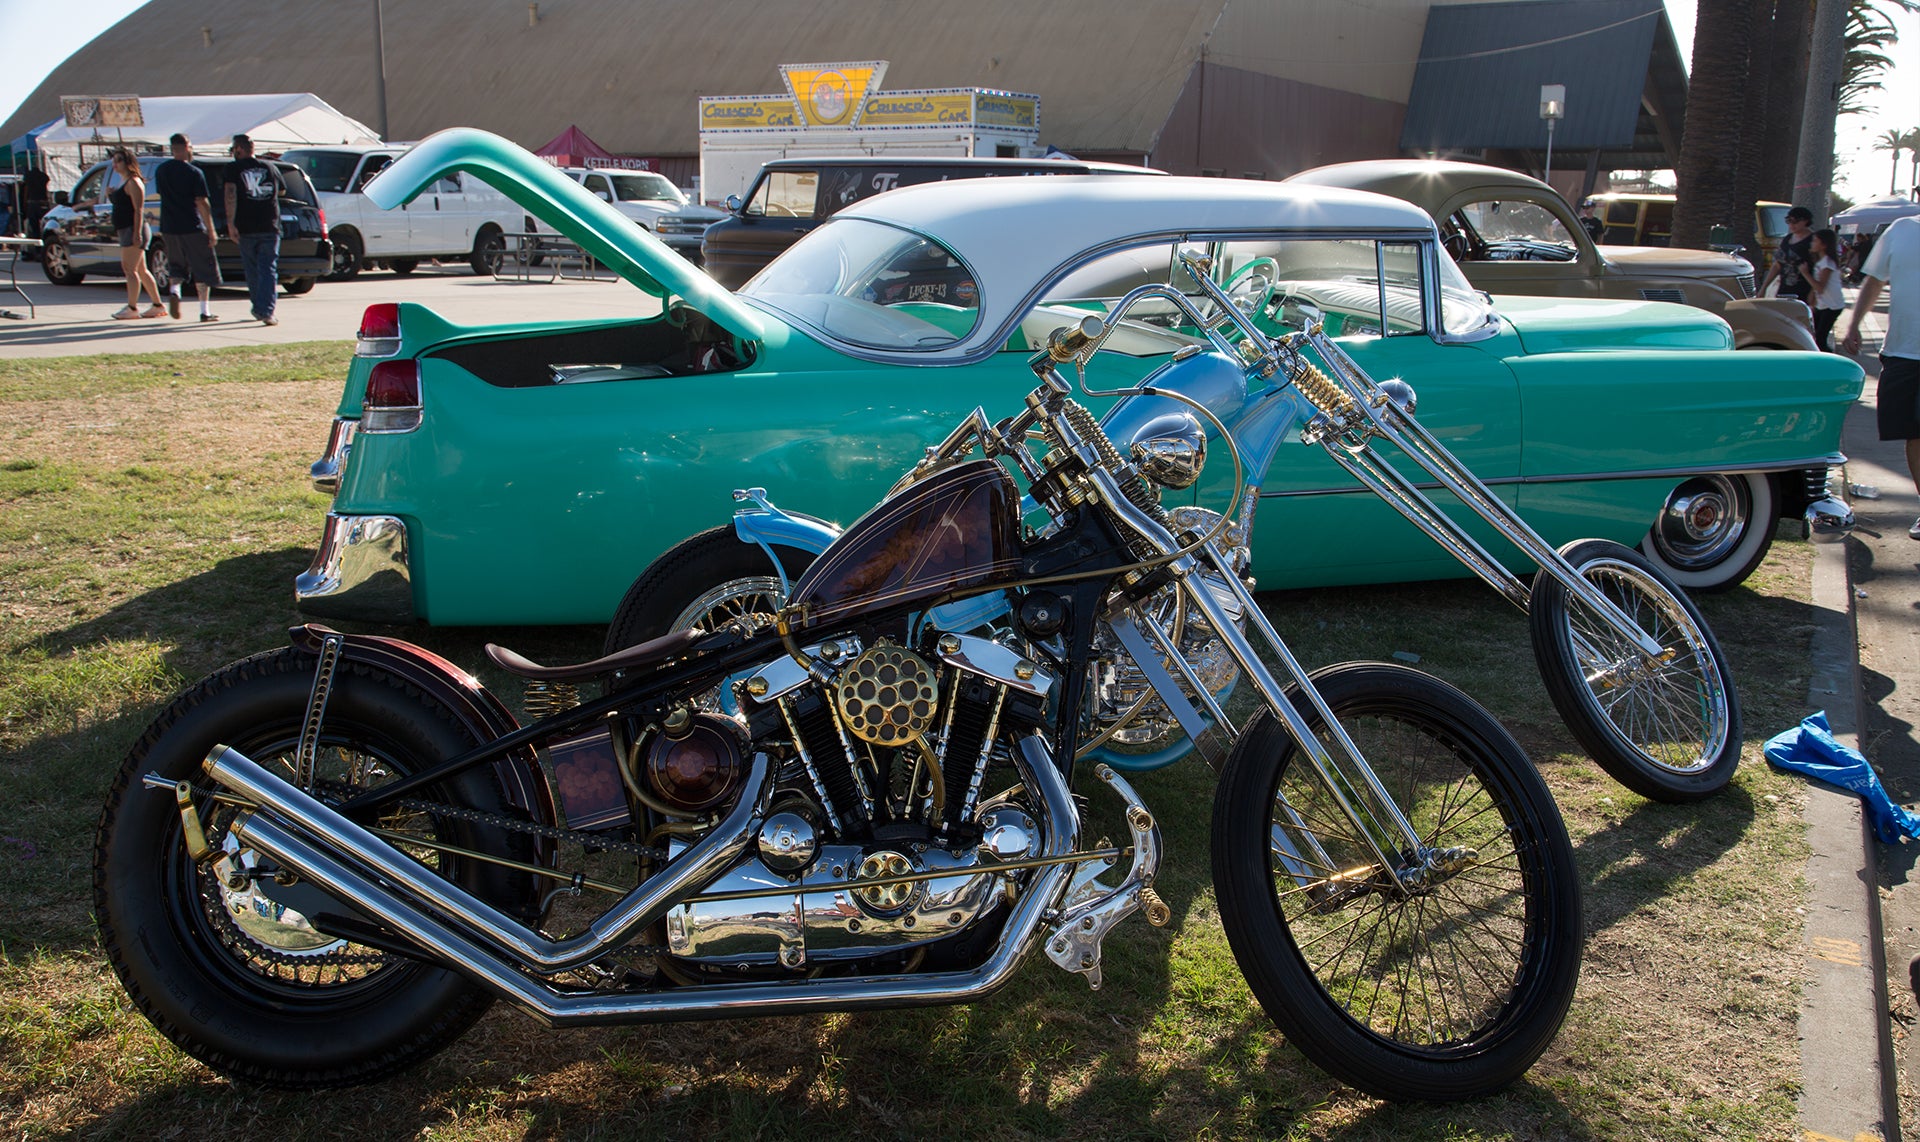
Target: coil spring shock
<point>1131,485</point>
<point>544,699</point>
<point>1318,388</point>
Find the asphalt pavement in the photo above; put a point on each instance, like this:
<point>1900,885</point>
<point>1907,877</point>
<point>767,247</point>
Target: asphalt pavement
<point>79,319</point>
<point>1860,1024</point>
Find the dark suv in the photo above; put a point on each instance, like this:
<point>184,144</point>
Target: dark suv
<point>80,240</point>
<point>792,196</point>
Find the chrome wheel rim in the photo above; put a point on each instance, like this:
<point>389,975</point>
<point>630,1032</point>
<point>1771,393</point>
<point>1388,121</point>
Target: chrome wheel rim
<point>754,598</point>
<point>1672,711</point>
<point>56,255</point>
<point>1703,521</point>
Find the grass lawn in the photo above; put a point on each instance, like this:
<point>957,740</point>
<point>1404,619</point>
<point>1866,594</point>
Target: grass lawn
<point>153,513</point>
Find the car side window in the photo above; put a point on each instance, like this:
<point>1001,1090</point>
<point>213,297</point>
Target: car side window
<point>448,185</point>
<point>373,166</point>
<point>786,194</point>
<point>90,186</point>
<point>1495,227</point>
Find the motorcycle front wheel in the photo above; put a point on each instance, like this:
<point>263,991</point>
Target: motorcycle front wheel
<point>1437,991</point>
<point>250,988</point>
<point>1669,730</point>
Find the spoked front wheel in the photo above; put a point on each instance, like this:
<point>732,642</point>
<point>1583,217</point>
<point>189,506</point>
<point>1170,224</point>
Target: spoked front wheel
<point>1667,728</point>
<point>1443,977</point>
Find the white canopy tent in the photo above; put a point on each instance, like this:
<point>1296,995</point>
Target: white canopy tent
<point>275,122</point>
<point>1871,216</point>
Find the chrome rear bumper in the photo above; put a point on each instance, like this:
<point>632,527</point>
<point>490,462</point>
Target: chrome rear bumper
<point>326,470</point>
<point>360,572</point>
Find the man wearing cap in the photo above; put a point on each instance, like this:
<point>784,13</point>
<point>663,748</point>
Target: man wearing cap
<point>1795,255</point>
<point>1595,228</point>
<point>253,222</point>
<point>186,227</point>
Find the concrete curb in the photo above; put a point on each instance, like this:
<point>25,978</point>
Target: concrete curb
<point>1847,1062</point>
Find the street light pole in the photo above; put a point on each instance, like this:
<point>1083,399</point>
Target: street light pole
<point>380,66</point>
<point>1553,105</point>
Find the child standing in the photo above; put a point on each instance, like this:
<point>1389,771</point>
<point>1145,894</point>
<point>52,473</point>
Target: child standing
<point>1826,299</point>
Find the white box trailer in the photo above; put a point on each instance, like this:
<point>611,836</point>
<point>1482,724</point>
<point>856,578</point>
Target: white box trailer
<point>836,110</point>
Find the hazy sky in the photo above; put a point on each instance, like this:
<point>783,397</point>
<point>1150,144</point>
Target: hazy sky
<point>36,35</point>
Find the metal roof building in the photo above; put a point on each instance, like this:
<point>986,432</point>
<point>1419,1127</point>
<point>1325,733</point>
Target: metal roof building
<point>1235,87</point>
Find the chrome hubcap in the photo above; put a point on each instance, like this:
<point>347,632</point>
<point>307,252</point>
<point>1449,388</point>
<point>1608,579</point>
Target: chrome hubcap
<point>1704,520</point>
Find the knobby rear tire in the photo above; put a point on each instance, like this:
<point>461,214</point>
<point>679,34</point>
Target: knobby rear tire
<point>1413,1015</point>
<point>1668,731</point>
<point>208,985</point>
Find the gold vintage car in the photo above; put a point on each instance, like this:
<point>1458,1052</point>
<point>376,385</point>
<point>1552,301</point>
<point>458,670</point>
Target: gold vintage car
<point>1514,234</point>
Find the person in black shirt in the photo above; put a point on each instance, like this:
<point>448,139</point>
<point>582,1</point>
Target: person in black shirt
<point>186,226</point>
<point>1795,256</point>
<point>1595,228</point>
<point>253,222</point>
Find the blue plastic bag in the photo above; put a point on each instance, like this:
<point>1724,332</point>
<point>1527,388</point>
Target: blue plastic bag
<point>1809,748</point>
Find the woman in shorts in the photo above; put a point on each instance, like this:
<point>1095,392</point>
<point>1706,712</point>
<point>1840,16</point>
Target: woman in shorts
<point>129,200</point>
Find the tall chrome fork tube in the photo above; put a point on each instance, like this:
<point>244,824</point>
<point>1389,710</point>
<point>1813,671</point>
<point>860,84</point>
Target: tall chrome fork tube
<point>1412,438</point>
<point>457,947</point>
<point>1383,480</point>
<point>1366,803</point>
<point>1387,831</point>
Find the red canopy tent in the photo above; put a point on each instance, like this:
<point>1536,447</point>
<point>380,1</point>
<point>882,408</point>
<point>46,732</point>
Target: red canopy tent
<point>573,148</point>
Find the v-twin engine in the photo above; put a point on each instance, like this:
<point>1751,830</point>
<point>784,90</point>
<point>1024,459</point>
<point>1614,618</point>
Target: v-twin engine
<point>895,810</point>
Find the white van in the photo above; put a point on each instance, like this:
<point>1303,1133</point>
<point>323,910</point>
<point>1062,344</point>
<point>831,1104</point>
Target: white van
<point>458,218</point>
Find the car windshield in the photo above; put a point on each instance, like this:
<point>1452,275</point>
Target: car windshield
<point>329,171</point>
<point>872,285</point>
<point>645,188</point>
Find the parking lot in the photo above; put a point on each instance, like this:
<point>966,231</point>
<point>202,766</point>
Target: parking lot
<point>77,319</point>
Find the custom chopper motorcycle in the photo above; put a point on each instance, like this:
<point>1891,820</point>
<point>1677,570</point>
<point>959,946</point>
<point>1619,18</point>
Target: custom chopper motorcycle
<point>322,863</point>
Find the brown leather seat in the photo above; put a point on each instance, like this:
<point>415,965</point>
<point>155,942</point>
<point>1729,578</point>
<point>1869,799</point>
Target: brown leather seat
<point>647,654</point>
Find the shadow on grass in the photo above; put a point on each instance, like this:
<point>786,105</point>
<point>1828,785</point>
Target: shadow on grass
<point>1637,858</point>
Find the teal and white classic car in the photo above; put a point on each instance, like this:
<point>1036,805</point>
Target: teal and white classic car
<point>526,473</point>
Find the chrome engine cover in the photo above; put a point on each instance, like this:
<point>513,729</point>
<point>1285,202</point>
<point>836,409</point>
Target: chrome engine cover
<point>825,915</point>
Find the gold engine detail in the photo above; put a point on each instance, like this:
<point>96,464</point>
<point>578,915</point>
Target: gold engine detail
<point>885,897</point>
<point>887,696</point>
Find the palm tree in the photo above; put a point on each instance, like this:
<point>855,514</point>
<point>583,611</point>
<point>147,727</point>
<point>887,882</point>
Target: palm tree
<point>1896,142</point>
<point>1912,139</point>
<point>1716,96</point>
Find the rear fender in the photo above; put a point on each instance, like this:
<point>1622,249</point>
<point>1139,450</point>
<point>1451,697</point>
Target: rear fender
<point>479,711</point>
<point>765,526</point>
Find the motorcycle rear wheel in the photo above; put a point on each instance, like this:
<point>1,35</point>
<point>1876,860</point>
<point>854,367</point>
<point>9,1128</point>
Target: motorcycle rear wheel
<point>237,986</point>
<point>1446,993</point>
<point>1668,731</point>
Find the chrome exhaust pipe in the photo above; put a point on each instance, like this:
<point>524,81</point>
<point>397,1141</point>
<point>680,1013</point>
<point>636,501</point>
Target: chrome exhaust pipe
<point>648,901</point>
<point>447,942</point>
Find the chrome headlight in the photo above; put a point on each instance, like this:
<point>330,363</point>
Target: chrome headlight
<point>1170,450</point>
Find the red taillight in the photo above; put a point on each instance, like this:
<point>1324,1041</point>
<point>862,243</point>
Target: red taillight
<point>379,331</point>
<point>394,384</point>
<point>392,400</point>
<point>380,322</point>
<point>323,222</point>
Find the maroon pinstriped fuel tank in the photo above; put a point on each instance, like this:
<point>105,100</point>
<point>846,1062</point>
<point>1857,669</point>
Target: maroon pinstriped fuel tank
<point>954,530</point>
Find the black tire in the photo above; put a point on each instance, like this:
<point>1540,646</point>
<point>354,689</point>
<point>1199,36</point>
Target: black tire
<point>489,249</point>
<point>1714,530</point>
<point>1461,780</point>
<point>707,577</point>
<point>403,266</point>
<point>1669,731</point>
<point>297,286</point>
<point>349,254</point>
<point>157,264</point>
<point>259,1007</point>
<point>57,260</point>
